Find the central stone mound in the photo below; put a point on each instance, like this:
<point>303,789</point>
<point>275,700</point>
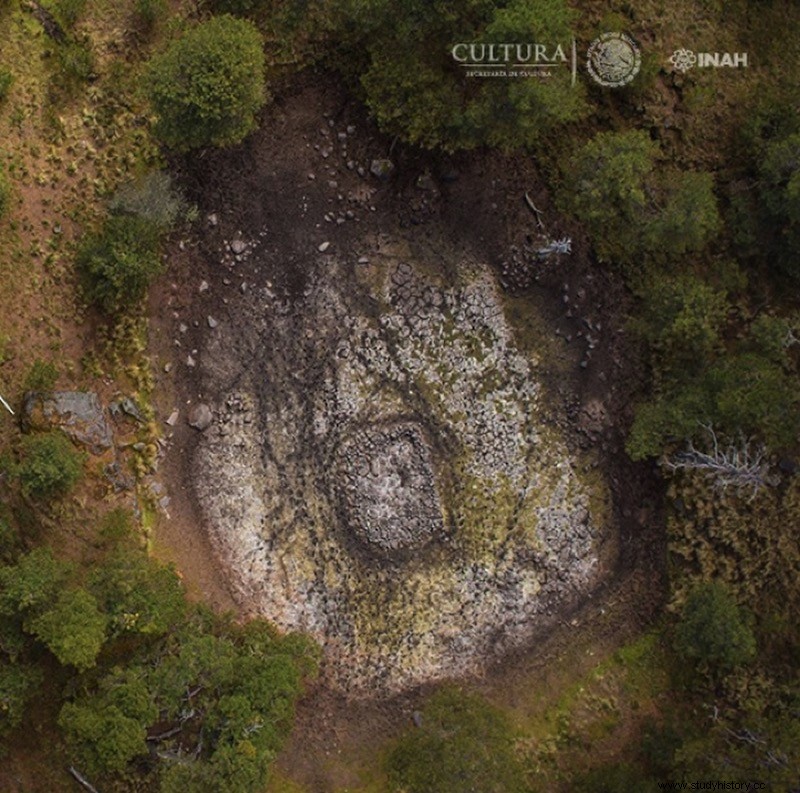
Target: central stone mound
<point>388,489</point>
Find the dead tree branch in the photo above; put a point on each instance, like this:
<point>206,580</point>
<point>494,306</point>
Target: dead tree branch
<point>738,465</point>
<point>82,780</point>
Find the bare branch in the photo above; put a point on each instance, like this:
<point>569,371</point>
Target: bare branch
<point>82,780</point>
<point>738,465</point>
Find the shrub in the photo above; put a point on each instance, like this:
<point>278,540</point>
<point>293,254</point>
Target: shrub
<point>6,81</point>
<point>68,12</point>
<point>151,197</point>
<point>5,192</point>
<point>713,630</point>
<point>50,466</point>
<point>463,744</point>
<point>117,265</point>
<point>208,86</point>
<point>42,376</point>
<point>75,63</point>
<point>147,13</point>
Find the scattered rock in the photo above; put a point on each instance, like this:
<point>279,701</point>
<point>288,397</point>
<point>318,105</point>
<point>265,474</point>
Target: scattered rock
<point>200,417</point>
<point>203,287</point>
<point>213,220</point>
<point>79,415</point>
<point>212,323</point>
<point>190,361</point>
<point>427,183</point>
<point>382,169</point>
<point>238,246</point>
<point>172,420</point>
<point>324,247</point>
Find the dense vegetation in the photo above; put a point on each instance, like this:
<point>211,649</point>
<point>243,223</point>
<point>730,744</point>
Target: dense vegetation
<point>100,650</point>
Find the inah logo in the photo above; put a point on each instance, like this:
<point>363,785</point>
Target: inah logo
<point>684,59</point>
<point>613,59</point>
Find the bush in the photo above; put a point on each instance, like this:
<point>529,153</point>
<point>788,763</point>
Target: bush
<point>713,631</point>
<point>6,81</point>
<point>117,265</point>
<point>68,12</point>
<point>42,376</point>
<point>147,13</point>
<point>463,744</point>
<point>5,192</point>
<point>50,465</point>
<point>151,197</point>
<point>208,86</point>
<point>75,63</point>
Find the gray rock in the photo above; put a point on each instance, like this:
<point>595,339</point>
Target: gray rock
<point>382,169</point>
<point>212,323</point>
<point>203,287</point>
<point>238,246</point>
<point>200,417</point>
<point>79,415</point>
<point>324,247</point>
<point>172,420</point>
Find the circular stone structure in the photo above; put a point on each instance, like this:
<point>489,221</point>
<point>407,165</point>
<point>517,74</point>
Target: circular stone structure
<point>388,489</point>
<point>381,472</point>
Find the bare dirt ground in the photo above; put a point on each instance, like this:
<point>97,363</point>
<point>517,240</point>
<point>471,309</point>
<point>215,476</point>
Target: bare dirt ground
<point>302,168</point>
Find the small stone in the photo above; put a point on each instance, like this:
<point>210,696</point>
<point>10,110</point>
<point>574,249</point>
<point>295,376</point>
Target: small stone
<point>363,260</point>
<point>350,129</point>
<point>172,420</point>
<point>212,323</point>
<point>324,247</point>
<point>203,287</point>
<point>200,417</point>
<point>382,169</point>
<point>238,246</point>
<point>213,220</point>
<point>312,177</point>
<point>190,361</point>
<point>167,367</point>
<point>183,328</point>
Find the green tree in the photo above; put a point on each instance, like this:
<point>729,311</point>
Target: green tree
<point>682,319</point>
<point>73,628</point>
<point>416,90</point>
<point>208,86</point>
<point>117,265</point>
<point>50,465</point>
<point>464,743</point>
<point>780,197</point>
<point>713,630</point>
<point>138,594</point>
<point>109,729</point>
<point>630,212</point>
<point>32,583</point>
<point>17,683</point>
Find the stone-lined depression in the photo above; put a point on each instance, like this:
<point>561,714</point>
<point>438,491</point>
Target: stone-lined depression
<point>379,473</point>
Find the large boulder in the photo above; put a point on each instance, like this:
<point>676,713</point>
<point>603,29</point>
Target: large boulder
<point>78,414</point>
